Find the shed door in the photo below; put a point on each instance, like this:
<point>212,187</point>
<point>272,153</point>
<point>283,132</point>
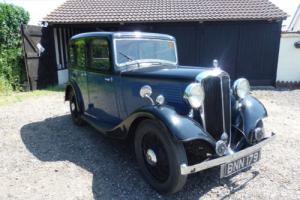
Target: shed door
<point>258,53</point>
<point>38,56</point>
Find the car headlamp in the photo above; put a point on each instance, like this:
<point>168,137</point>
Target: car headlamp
<point>241,88</point>
<point>194,94</point>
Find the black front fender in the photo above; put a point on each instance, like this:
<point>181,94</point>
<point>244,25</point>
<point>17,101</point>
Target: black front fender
<point>72,86</point>
<point>252,111</point>
<point>180,127</point>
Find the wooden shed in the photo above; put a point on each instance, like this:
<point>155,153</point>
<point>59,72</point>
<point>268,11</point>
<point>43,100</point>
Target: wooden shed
<point>243,35</point>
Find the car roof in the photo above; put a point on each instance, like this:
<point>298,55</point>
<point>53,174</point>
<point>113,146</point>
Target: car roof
<point>133,34</point>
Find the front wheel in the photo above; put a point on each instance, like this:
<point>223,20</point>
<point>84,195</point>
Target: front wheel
<point>159,157</point>
<point>75,112</point>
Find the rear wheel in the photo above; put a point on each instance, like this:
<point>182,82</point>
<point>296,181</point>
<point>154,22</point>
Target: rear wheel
<point>159,157</point>
<point>75,112</point>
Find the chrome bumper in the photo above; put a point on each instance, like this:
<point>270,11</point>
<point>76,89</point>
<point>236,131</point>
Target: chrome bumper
<point>225,159</point>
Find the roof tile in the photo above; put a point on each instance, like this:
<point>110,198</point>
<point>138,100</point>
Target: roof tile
<point>114,11</point>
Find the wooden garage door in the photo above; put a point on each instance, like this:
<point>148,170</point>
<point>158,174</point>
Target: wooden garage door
<point>39,56</point>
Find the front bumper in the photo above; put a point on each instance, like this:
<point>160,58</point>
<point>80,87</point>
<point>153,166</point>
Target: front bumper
<point>225,159</point>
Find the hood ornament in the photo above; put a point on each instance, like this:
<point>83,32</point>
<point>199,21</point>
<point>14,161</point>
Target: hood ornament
<point>216,63</point>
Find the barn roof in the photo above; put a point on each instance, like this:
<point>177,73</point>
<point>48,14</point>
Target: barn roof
<point>129,11</point>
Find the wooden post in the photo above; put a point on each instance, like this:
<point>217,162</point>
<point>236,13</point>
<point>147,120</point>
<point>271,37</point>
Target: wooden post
<point>23,26</point>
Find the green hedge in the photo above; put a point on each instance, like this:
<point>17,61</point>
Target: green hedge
<point>12,70</point>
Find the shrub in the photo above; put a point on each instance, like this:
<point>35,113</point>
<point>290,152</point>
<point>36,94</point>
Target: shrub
<point>12,71</point>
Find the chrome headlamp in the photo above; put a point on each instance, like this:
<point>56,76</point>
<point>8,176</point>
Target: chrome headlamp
<point>194,94</point>
<point>241,88</point>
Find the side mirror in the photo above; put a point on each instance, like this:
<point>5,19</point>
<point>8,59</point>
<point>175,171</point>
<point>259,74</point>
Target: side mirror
<point>145,92</point>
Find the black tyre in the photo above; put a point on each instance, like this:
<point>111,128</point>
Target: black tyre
<point>75,112</point>
<point>159,158</point>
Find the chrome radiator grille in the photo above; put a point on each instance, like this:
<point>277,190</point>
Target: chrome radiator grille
<point>216,107</point>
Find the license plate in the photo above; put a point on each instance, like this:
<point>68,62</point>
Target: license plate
<point>232,167</point>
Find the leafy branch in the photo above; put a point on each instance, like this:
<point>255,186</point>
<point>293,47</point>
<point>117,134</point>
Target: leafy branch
<point>12,70</point>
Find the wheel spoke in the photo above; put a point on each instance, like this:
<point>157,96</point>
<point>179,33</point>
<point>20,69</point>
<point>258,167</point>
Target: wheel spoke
<point>160,169</point>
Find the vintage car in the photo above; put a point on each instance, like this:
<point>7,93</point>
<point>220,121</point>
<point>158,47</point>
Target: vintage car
<point>181,119</point>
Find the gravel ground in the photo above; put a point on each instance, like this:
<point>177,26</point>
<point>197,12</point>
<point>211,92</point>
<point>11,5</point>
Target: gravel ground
<point>44,156</point>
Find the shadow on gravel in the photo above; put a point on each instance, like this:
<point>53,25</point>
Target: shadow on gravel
<point>112,162</point>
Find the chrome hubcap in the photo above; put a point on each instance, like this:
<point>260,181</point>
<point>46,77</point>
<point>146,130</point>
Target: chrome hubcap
<point>151,157</point>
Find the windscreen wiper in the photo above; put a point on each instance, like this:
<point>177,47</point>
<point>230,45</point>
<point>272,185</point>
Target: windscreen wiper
<point>126,56</point>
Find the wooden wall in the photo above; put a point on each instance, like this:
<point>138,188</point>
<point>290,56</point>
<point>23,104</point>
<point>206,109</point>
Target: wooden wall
<point>244,49</point>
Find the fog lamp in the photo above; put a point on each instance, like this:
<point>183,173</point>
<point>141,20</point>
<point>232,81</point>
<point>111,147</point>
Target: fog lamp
<point>259,134</point>
<point>160,99</point>
<point>221,147</point>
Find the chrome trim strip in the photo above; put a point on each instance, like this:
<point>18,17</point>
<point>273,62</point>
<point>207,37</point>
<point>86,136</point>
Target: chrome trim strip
<point>215,72</point>
<point>223,109</point>
<point>184,169</point>
<point>202,115</point>
<point>229,112</point>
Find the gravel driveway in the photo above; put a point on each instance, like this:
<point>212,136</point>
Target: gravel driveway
<point>44,156</point>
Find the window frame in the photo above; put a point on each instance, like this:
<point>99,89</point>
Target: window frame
<point>120,66</point>
<point>71,51</point>
<point>89,56</point>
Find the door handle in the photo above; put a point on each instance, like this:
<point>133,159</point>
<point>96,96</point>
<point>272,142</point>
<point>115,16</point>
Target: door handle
<point>108,79</point>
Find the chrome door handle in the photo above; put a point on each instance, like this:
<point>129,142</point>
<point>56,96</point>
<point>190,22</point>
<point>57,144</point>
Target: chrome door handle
<point>110,79</point>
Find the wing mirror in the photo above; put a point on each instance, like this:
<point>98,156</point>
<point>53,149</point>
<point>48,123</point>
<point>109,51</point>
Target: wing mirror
<point>145,92</point>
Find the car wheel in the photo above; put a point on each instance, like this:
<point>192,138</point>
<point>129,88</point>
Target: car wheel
<point>159,158</point>
<point>75,113</point>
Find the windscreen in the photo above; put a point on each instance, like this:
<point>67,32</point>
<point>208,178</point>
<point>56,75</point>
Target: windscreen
<point>130,50</point>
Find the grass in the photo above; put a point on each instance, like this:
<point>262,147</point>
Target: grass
<point>11,97</point>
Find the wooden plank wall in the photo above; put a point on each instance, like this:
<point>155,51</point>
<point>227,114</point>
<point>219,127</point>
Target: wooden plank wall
<point>244,49</point>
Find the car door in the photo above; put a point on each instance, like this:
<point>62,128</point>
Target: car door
<point>102,86</point>
<point>77,68</point>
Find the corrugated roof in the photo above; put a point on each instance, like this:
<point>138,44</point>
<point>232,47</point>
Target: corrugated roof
<point>128,11</point>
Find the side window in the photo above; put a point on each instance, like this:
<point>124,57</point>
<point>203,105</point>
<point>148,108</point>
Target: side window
<point>80,54</point>
<point>99,54</point>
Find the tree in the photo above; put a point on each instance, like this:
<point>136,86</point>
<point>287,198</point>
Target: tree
<point>11,61</point>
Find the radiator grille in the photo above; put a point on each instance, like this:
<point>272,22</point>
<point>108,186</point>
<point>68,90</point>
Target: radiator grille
<point>217,90</point>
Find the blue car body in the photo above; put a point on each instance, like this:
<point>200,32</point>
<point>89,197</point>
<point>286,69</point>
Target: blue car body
<point>110,99</point>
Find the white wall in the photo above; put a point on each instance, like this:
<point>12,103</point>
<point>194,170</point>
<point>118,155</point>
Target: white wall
<point>297,24</point>
<point>63,76</point>
<point>61,58</point>
<point>289,58</point>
